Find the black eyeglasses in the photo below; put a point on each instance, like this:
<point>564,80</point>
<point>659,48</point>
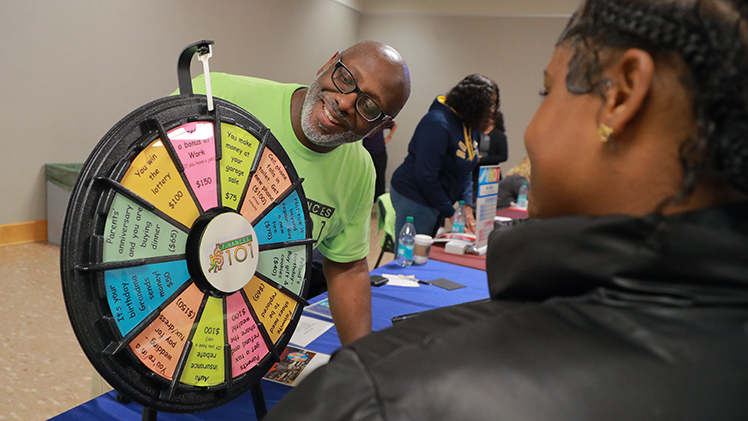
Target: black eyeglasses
<point>366,107</point>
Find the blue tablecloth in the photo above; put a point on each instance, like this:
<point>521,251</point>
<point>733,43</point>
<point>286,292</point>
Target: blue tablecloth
<point>387,302</point>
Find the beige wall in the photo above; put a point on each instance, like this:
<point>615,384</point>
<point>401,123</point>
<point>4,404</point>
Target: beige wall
<point>441,50</point>
<point>70,70</point>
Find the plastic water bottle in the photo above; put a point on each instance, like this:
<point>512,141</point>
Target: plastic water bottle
<point>406,243</point>
<point>458,221</point>
<point>522,197</point>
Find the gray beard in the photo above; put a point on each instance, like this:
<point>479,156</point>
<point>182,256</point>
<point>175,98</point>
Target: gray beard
<point>314,132</point>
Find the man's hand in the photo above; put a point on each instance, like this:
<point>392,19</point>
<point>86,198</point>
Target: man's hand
<point>349,292</point>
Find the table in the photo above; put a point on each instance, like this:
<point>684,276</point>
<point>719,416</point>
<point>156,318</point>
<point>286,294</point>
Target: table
<point>468,260</point>
<point>473,260</point>
<point>387,302</point>
<point>512,212</point>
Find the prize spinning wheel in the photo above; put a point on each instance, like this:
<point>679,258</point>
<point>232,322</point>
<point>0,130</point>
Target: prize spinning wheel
<point>186,251</point>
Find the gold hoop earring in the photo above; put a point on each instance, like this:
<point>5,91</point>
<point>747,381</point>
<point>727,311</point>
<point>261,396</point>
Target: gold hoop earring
<point>604,131</point>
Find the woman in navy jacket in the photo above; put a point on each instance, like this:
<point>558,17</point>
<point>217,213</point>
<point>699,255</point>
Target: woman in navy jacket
<point>441,156</point>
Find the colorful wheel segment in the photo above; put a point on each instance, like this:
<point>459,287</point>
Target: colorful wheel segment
<point>186,254</point>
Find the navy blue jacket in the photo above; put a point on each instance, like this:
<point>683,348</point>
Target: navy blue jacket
<point>441,156</point>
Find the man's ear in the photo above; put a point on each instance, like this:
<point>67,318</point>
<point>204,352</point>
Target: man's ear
<point>630,82</point>
<point>381,126</point>
<point>332,60</point>
<point>371,132</point>
<point>388,125</point>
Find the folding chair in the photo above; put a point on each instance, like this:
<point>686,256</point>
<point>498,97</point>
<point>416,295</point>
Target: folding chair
<point>386,223</point>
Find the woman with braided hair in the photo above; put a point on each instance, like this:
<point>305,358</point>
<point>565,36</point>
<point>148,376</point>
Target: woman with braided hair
<point>659,81</point>
<point>625,295</point>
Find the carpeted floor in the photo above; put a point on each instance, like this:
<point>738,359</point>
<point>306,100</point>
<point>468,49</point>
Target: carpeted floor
<point>43,368</point>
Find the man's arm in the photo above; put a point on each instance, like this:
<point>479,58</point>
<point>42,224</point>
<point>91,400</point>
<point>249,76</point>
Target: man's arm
<point>349,292</point>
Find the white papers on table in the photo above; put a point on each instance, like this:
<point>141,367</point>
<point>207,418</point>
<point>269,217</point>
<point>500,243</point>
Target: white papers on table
<point>308,330</point>
<point>401,280</point>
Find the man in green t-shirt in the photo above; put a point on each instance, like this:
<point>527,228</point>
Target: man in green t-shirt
<point>357,92</point>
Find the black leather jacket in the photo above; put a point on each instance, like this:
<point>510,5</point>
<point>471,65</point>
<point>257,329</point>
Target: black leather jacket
<point>609,318</point>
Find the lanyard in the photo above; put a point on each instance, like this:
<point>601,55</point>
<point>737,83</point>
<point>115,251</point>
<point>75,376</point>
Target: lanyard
<point>468,133</point>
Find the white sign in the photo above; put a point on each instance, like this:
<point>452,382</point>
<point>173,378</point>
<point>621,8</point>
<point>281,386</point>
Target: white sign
<point>485,206</point>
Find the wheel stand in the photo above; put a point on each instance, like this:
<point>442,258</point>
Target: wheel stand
<point>258,399</point>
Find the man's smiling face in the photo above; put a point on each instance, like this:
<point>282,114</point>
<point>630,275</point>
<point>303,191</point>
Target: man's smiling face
<point>323,121</point>
<point>329,117</point>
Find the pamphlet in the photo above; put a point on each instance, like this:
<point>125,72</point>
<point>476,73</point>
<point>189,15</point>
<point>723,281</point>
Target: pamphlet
<point>294,365</point>
<point>321,308</point>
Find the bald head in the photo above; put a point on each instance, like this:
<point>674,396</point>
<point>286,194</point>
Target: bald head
<point>381,61</point>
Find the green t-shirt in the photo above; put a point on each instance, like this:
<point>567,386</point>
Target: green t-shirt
<point>339,185</point>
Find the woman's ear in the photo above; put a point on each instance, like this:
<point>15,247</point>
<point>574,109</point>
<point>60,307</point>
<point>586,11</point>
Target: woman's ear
<point>630,79</point>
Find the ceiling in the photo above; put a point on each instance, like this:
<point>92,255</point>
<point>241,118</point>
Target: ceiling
<point>466,7</point>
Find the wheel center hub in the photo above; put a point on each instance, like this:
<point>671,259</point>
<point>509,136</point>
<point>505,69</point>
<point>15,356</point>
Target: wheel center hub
<point>227,252</point>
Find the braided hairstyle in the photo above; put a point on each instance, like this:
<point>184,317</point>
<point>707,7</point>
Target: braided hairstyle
<point>708,39</point>
<point>472,99</point>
